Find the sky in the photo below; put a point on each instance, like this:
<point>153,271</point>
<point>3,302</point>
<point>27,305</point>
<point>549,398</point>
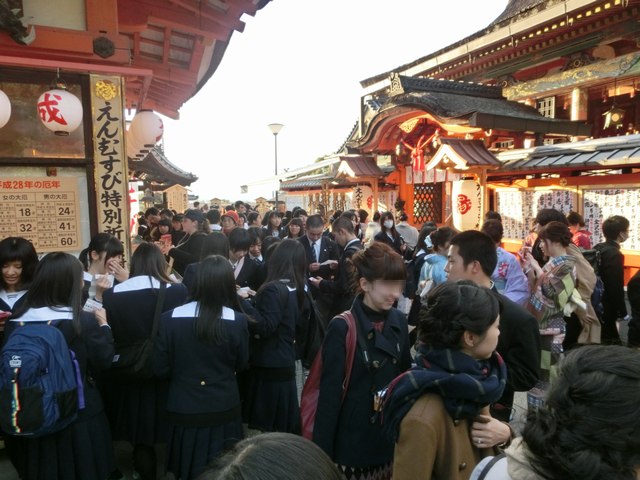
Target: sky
<point>300,63</point>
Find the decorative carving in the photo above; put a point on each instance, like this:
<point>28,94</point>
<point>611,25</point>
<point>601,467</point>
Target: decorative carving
<point>401,84</point>
<point>578,60</point>
<point>106,90</point>
<point>396,87</point>
<point>103,47</point>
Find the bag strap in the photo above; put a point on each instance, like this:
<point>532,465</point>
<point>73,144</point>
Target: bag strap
<point>350,348</point>
<point>487,468</point>
<point>156,315</point>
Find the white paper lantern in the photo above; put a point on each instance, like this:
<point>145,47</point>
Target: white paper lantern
<point>60,111</point>
<point>146,128</point>
<point>5,109</point>
<point>467,197</point>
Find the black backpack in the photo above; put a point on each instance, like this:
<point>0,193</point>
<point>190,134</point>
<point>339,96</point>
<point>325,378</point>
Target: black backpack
<point>594,257</point>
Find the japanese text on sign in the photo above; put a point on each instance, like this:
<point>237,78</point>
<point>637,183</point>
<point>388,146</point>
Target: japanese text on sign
<point>110,160</point>
<point>43,211</point>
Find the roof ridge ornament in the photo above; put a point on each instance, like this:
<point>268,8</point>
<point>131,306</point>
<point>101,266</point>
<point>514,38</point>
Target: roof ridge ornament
<point>401,84</point>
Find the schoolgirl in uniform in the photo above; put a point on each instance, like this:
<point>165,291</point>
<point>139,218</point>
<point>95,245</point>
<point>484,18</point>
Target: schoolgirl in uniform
<point>389,235</point>
<point>348,428</point>
<point>83,450</point>
<point>187,250</point>
<point>136,407</point>
<point>200,347</point>
<point>272,224</point>
<point>18,259</point>
<point>270,396</point>
<point>102,256</point>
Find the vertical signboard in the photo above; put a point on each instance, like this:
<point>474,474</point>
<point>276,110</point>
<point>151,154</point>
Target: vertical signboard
<point>110,160</point>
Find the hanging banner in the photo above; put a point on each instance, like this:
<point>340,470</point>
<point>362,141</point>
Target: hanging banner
<point>362,197</point>
<point>110,160</point>
<point>466,196</point>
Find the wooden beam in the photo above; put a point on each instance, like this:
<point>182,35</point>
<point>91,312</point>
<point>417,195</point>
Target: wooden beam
<point>214,15</point>
<point>164,72</point>
<point>102,16</point>
<point>163,13</point>
<point>84,67</point>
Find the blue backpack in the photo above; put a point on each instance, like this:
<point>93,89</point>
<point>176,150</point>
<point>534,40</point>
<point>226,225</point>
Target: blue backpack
<point>40,382</point>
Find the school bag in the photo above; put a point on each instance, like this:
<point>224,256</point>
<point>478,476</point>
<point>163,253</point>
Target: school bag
<point>132,361</point>
<point>311,389</point>
<point>40,382</point>
<point>594,257</point>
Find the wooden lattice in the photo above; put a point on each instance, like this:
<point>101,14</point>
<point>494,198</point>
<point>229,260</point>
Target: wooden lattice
<point>427,202</point>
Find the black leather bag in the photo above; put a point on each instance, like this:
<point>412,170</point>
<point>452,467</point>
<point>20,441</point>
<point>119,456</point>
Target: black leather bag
<point>133,360</point>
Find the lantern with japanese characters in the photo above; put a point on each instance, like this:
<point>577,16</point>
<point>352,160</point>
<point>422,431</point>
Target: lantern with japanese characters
<point>60,111</point>
<point>466,199</point>
<point>146,129</point>
<point>5,109</point>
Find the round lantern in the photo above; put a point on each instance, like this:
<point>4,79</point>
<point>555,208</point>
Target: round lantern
<point>60,111</point>
<point>5,109</point>
<point>135,149</point>
<point>146,128</point>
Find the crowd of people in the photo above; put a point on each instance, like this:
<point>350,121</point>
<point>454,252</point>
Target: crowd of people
<point>417,382</point>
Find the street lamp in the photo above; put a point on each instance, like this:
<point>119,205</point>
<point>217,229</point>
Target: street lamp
<point>275,129</point>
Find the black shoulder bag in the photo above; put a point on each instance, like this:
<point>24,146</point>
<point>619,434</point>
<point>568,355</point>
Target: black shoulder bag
<point>133,361</point>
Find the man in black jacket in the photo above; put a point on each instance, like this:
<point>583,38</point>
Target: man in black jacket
<point>615,230</point>
<point>472,256</point>
<point>340,287</point>
<point>322,261</point>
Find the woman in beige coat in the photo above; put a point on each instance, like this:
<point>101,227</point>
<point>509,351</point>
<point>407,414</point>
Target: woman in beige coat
<point>438,411</point>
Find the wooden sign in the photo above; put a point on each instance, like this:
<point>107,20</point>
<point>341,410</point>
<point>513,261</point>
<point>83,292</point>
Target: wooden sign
<point>45,211</point>
<point>110,161</point>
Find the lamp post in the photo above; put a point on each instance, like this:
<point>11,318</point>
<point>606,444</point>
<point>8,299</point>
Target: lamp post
<point>275,129</point>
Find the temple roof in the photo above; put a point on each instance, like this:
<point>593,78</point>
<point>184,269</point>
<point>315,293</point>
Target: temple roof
<point>463,154</point>
<point>157,169</point>
<point>166,49</point>
<point>598,154</point>
<point>453,104</point>
<point>518,8</point>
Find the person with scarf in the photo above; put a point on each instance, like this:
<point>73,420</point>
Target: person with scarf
<point>438,411</point>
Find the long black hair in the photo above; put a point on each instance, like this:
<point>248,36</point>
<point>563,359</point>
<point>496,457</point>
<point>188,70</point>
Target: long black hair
<point>148,260</point>
<point>102,242</point>
<point>57,282</point>
<point>288,263</point>
<point>18,249</point>
<point>213,275</point>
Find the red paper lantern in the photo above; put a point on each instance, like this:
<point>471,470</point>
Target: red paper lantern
<point>60,111</point>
